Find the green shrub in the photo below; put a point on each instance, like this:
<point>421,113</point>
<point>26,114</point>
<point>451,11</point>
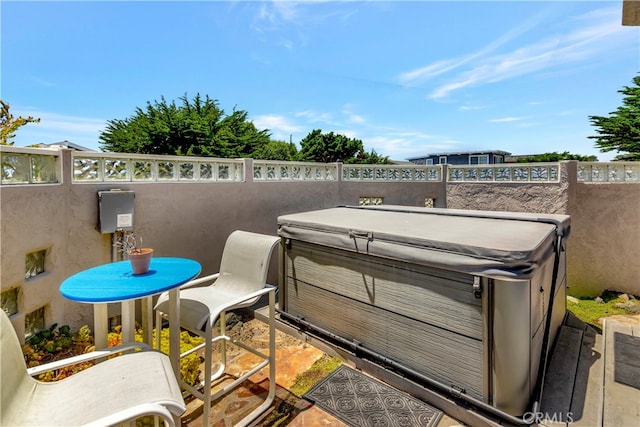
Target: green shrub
<point>189,365</point>
<point>60,343</point>
<point>319,370</point>
<point>55,344</point>
<point>592,310</point>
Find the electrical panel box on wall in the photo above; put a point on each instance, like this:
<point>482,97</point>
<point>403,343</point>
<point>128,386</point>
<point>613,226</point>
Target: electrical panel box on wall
<point>115,210</point>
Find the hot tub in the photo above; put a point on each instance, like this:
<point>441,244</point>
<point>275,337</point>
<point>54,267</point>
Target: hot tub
<point>462,297</point>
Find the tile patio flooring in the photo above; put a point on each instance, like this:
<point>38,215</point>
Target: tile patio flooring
<point>297,356</point>
<point>291,360</point>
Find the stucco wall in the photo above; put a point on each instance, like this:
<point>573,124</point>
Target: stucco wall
<point>177,219</point>
<point>540,198</point>
<point>604,247</point>
<point>193,219</point>
<point>552,198</point>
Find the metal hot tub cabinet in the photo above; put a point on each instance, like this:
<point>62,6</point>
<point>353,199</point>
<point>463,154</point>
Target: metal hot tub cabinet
<point>461,297</point>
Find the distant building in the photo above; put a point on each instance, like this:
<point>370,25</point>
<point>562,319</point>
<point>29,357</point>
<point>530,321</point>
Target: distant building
<point>66,144</point>
<point>462,158</point>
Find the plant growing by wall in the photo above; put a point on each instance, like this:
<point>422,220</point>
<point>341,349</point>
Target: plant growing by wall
<point>54,344</point>
<point>59,343</point>
<point>189,365</point>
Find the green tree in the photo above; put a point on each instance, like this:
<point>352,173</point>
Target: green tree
<point>276,150</point>
<point>620,131</point>
<point>198,127</point>
<point>10,124</point>
<point>556,157</point>
<point>369,158</point>
<point>328,147</point>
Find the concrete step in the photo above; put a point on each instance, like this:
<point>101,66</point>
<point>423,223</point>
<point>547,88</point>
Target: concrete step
<point>561,376</point>
<point>593,379</point>
<point>621,406</point>
<point>586,402</point>
<point>566,388</point>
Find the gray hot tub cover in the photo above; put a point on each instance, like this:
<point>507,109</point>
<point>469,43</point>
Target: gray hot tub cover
<point>484,243</point>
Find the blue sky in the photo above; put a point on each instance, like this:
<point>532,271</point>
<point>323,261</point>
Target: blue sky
<point>406,77</point>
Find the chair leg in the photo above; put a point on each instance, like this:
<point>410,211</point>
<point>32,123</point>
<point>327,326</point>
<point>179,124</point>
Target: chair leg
<point>147,321</point>
<point>209,376</point>
<point>272,368</point>
<point>223,342</point>
<point>272,347</point>
<point>158,329</point>
<point>208,364</point>
<point>206,389</point>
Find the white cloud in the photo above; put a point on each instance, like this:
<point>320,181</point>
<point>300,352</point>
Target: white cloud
<point>414,135</point>
<point>295,18</point>
<point>443,91</point>
<point>43,82</point>
<point>300,12</point>
<point>355,118</point>
<point>349,133</point>
<point>506,119</point>
<point>427,72</point>
<point>597,34</point>
<point>350,116</point>
<point>286,43</point>
<point>315,117</point>
<point>403,145</point>
<point>470,107</point>
<point>277,124</point>
<point>419,75</point>
<point>54,127</point>
<point>61,122</point>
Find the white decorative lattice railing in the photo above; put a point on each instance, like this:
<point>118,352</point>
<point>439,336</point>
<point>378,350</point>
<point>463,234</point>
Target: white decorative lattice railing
<point>119,167</point>
<point>44,166</point>
<point>271,170</point>
<point>30,165</point>
<point>405,173</point>
<point>515,172</point>
<point>609,172</point>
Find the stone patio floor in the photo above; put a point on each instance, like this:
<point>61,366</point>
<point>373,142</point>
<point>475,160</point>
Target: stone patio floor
<point>293,357</point>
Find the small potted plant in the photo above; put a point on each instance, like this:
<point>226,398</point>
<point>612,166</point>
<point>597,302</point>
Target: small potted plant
<point>140,257</point>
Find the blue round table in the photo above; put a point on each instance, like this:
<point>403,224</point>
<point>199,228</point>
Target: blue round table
<point>115,282</point>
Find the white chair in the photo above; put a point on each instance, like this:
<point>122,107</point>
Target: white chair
<point>114,391</point>
<point>240,282</point>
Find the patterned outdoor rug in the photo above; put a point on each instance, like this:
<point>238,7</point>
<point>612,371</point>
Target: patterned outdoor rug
<point>362,401</point>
